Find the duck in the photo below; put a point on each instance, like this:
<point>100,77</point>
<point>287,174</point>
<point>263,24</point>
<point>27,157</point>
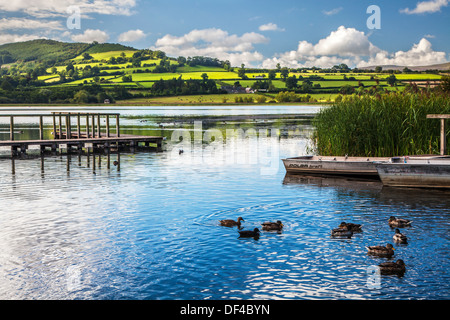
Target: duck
<point>351,226</point>
<point>231,223</point>
<point>272,226</point>
<point>249,233</point>
<point>397,267</point>
<point>343,232</point>
<point>387,251</point>
<point>399,223</point>
<point>399,237</point>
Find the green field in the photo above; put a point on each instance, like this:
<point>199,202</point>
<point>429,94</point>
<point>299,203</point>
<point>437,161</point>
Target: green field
<point>325,88</point>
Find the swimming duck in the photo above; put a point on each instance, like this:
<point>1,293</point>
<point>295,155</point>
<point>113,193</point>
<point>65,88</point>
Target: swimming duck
<point>351,226</point>
<point>397,267</point>
<point>399,223</point>
<point>272,226</point>
<point>231,223</point>
<point>343,232</point>
<point>387,251</point>
<point>249,233</point>
<point>399,237</point>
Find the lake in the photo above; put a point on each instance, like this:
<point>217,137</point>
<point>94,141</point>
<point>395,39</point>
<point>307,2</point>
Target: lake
<point>74,227</point>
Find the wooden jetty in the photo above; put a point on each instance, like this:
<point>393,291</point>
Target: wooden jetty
<point>68,136</point>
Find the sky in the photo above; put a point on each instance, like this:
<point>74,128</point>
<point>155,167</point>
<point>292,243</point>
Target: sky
<point>293,33</point>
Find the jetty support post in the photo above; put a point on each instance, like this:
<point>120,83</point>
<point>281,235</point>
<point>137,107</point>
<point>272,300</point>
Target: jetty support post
<point>41,128</point>
<point>78,126</point>
<point>107,126</point>
<point>442,117</point>
<point>117,126</point>
<point>11,128</point>
<point>54,125</point>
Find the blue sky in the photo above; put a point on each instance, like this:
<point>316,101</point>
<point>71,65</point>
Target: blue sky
<point>257,33</point>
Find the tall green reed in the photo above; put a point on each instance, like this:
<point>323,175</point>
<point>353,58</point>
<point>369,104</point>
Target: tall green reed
<point>386,125</point>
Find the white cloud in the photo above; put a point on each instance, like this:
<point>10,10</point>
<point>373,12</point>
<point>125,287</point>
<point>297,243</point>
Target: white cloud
<point>332,11</point>
<point>353,47</point>
<point>427,7</point>
<point>52,8</point>
<point>132,36</point>
<point>91,35</point>
<point>10,38</point>
<point>23,23</point>
<point>421,54</point>
<point>345,42</point>
<point>270,27</point>
<point>215,43</point>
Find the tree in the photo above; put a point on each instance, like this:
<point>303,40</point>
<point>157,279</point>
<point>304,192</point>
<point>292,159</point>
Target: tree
<point>378,69</point>
<point>81,96</point>
<point>347,89</point>
<point>70,66</point>
<point>204,76</point>
<point>181,60</point>
<point>391,80</point>
<point>291,82</point>
<point>6,85</point>
<point>87,56</point>
<point>241,72</point>
<point>272,74</point>
<point>284,73</point>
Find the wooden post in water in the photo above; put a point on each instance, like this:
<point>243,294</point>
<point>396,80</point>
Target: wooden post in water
<point>78,126</point>
<point>117,126</point>
<point>41,128</point>
<point>98,126</point>
<point>54,126</point>
<point>442,117</point>
<point>11,128</point>
<point>107,126</point>
<point>67,127</point>
<point>93,126</point>
<point>87,126</point>
<point>443,138</point>
<point>60,126</point>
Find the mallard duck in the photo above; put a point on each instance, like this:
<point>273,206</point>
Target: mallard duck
<point>249,233</point>
<point>400,238</point>
<point>231,223</point>
<point>351,226</point>
<point>399,223</point>
<point>275,226</point>
<point>387,251</point>
<point>397,267</point>
<point>343,232</point>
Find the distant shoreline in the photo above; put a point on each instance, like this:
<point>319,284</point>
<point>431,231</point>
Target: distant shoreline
<point>123,104</point>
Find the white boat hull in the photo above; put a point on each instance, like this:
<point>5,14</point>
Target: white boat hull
<point>429,174</point>
<point>353,166</point>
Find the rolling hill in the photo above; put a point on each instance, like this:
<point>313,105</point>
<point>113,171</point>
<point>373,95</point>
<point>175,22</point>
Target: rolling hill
<point>43,49</point>
<point>440,67</point>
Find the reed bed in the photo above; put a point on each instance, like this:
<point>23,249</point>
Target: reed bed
<point>391,124</point>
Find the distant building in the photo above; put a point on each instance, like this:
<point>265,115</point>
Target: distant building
<point>233,89</point>
<point>106,101</point>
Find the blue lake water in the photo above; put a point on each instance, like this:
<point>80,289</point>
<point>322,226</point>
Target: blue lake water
<point>73,227</point>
